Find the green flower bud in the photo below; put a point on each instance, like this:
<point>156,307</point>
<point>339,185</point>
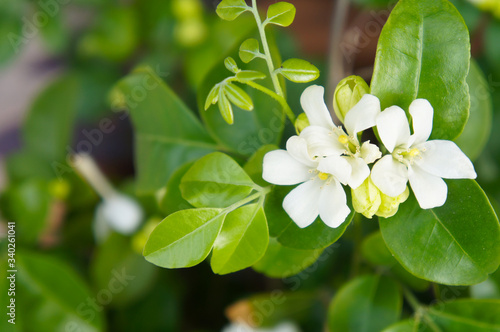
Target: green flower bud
<point>390,205</point>
<point>190,32</point>
<point>301,123</point>
<point>347,94</point>
<point>187,9</point>
<point>59,189</point>
<point>366,198</point>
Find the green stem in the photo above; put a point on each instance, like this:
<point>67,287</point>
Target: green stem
<point>261,192</point>
<point>419,308</point>
<point>267,52</point>
<point>288,111</point>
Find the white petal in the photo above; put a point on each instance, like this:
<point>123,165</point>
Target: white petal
<point>421,114</point>
<point>301,203</point>
<point>321,141</point>
<point>122,213</point>
<point>370,152</point>
<point>298,149</point>
<point>446,160</point>
<point>390,176</point>
<point>360,171</point>
<point>393,128</point>
<point>336,166</point>
<point>333,208</point>
<point>313,104</point>
<point>430,190</point>
<point>363,115</point>
<point>281,168</point>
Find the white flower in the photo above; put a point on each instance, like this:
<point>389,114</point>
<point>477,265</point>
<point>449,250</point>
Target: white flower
<point>325,139</point>
<point>121,213</point>
<point>243,327</point>
<point>116,211</point>
<point>424,163</point>
<point>320,192</point>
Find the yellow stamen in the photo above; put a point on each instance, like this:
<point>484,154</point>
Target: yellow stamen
<point>414,152</point>
<point>323,176</point>
<point>343,139</point>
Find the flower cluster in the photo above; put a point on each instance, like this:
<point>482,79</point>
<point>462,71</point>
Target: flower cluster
<point>323,158</point>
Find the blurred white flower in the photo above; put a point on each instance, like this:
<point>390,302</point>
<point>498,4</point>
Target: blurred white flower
<point>116,212</point>
<point>424,163</point>
<point>242,327</point>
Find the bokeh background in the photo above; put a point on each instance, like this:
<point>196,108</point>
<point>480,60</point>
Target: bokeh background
<point>59,59</point>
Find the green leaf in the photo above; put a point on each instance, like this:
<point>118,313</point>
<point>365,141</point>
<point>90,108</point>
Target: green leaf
<point>253,167</point>
<point>281,13</point>
<point>184,238</point>
<point>48,129</point>
<point>55,296</point>
<point>375,251</point>
<point>281,262</point>
<point>315,236</point>
<point>250,75</point>
<point>238,97</point>
<point>173,201</point>
<point>11,29</point>
<point>226,110</point>
<point>115,257</point>
<point>298,71</point>
<point>231,9</point>
<point>213,96</point>
<point>115,35</point>
<point>456,244</point>
<point>29,205</point>
<point>365,304</point>
<point>54,32</point>
<point>250,130</point>
<point>491,45</point>
<point>467,315</point>
<point>231,65</point>
<point>403,326</point>
<point>477,130</point>
<point>216,180</point>
<point>249,50</point>
<point>167,134</point>
<point>423,52</point>
<point>242,241</point>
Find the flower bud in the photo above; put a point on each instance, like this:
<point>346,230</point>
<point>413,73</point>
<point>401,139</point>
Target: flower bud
<point>347,94</point>
<point>59,189</point>
<point>390,205</point>
<point>301,123</point>
<point>366,198</point>
<point>186,9</point>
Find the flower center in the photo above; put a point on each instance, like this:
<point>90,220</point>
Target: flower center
<point>407,156</point>
<point>350,143</point>
<point>414,152</point>
<point>323,176</point>
<point>343,139</point>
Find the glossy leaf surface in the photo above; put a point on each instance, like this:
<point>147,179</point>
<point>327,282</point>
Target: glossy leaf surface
<point>184,238</point>
<point>242,241</point>
<point>215,180</point>
<point>424,52</point>
<point>456,244</point>
<point>167,134</point>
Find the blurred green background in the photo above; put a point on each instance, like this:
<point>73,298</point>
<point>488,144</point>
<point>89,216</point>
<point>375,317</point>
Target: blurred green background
<point>59,60</point>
